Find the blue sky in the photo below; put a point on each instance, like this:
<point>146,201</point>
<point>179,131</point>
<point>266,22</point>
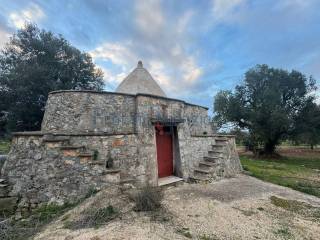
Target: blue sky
<point>193,48</point>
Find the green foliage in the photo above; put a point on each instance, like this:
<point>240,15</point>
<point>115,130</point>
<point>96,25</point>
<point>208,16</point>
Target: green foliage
<point>29,227</point>
<point>34,63</point>
<point>91,192</point>
<point>47,212</point>
<point>267,104</point>
<point>307,128</point>
<point>4,146</point>
<point>93,217</point>
<point>284,232</point>
<point>148,199</point>
<point>297,173</point>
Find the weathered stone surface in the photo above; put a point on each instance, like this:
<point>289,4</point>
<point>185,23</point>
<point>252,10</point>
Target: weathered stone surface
<point>83,112</point>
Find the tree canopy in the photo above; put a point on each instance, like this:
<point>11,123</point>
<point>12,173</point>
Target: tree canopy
<point>307,128</point>
<point>33,63</point>
<point>268,104</point>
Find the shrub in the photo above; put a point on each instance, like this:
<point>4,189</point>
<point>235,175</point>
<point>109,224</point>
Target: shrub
<point>93,217</point>
<point>148,199</point>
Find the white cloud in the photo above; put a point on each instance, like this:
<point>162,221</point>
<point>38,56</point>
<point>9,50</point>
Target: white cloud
<point>4,37</point>
<point>117,53</point>
<point>184,21</point>
<point>160,43</point>
<point>226,10</point>
<point>32,13</point>
<point>149,17</point>
<point>191,72</point>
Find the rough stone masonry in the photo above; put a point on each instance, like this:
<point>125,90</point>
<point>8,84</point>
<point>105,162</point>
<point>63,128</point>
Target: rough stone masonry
<point>92,140</point>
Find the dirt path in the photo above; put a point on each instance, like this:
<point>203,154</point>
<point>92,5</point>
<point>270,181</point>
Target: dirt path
<point>237,208</point>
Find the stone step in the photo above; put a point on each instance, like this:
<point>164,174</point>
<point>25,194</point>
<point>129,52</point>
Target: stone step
<point>3,185</point>
<point>211,159</point>
<point>208,164</point>
<point>218,146</point>
<point>215,151</point>
<point>169,181</point>
<point>202,171</point>
<point>199,179</point>
<point>221,139</point>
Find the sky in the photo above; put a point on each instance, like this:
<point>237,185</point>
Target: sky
<point>192,48</point>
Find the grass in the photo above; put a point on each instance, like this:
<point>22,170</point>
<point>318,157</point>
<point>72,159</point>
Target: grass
<point>4,146</point>
<point>28,227</point>
<point>284,232</point>
<point>299,173</point>
<point>184,232</point>
<point>298,207</point>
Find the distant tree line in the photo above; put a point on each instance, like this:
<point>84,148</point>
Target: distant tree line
<point>33,63</point>
<point>270,106</point>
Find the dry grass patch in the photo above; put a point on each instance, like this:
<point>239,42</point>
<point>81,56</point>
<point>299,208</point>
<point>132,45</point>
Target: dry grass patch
<point>298,207</point>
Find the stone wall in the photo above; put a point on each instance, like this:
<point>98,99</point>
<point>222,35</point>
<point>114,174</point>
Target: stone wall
<point>60,169</point>
<point>74,112</point>
<point>192,151</point>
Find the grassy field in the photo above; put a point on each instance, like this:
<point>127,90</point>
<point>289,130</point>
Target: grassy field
<point>298,168</point>
<point>4,146</point>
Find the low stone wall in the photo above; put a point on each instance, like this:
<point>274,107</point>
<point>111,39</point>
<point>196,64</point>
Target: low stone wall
<point>42,168</point>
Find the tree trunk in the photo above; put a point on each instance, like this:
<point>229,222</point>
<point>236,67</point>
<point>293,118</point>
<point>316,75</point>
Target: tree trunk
<point>311,146</point>
<point>269,148</point>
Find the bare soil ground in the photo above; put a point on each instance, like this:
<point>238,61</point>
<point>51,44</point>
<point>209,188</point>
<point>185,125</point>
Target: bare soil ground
<point>236,208</point>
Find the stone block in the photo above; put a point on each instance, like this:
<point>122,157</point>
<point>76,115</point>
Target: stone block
<point>117,142</point>
<point>69,153</point>
<point>69,162</point>
<point>85,159</point>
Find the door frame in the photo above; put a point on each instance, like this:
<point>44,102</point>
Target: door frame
<point>176,160</point>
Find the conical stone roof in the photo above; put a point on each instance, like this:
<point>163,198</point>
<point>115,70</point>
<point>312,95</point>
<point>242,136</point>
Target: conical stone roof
<point>140,81</point>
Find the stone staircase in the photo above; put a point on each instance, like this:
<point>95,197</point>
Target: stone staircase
<point>211,167</point>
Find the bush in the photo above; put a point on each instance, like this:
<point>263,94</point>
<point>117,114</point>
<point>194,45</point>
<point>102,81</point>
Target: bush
<point>93,217</point>
<point>148,199</point>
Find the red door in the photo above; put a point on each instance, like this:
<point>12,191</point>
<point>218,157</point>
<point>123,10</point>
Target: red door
<point>164,153</point>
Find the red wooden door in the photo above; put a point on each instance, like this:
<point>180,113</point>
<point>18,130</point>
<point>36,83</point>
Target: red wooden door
<point>164,153</point>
